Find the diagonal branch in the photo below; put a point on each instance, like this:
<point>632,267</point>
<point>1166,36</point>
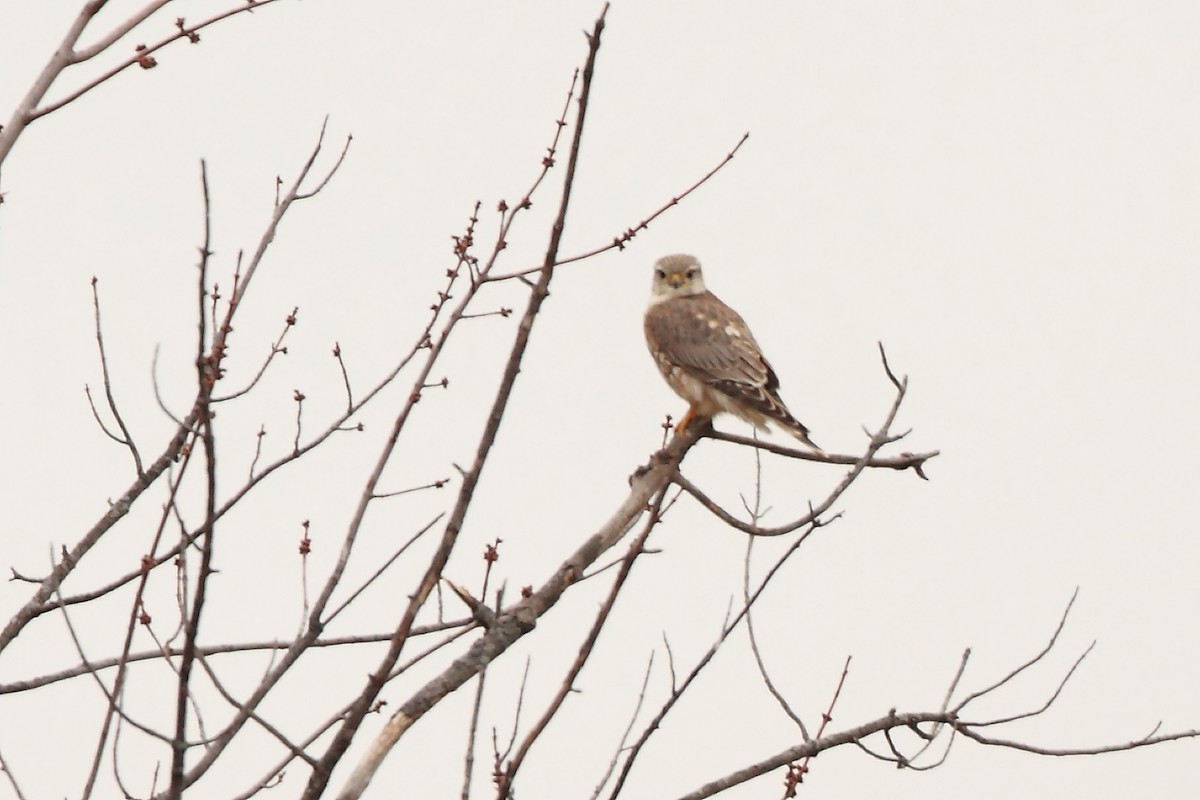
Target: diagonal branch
<point>361,777</point>
<point>620,241</point>
<point>1062,621</point>
<point>126,437</point>
<point>66,56</point>
<point>521,619</point>
<point>878,440</point>
<point>1147,741</point>
<point>211,650</point>
<point>504,790</point>
<point>38,604</point>
<point>913,461</point>
<point>678,688</point>
<point>140,55</point>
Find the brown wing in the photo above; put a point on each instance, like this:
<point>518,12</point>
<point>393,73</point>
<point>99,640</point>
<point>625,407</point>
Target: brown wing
<point>711,341</point>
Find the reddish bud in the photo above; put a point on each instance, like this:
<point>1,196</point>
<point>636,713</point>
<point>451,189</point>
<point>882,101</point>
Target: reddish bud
<point>144,60</point>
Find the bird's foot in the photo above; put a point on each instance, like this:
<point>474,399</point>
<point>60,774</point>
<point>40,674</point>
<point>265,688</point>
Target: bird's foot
<point>681,426</point>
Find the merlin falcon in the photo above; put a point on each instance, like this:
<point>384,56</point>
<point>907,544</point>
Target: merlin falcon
<point>708,355</point>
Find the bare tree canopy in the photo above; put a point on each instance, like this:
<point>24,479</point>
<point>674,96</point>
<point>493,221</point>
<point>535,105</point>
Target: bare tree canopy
<point>372,490</point>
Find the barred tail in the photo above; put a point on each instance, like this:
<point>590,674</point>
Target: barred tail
<point>797,429</point>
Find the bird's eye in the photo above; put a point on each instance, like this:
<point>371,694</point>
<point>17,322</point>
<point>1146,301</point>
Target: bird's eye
<point>691,273</point>
<point>660,273</point>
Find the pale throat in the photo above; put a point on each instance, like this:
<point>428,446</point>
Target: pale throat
<point>661,292</point>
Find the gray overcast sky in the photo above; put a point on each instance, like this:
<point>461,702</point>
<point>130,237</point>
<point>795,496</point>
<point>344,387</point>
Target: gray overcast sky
<point>1005,194</point>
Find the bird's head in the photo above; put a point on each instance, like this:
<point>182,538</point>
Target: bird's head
<point>676,276</point>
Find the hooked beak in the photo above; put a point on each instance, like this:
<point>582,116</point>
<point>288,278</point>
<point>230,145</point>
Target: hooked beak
<point>675,279</point>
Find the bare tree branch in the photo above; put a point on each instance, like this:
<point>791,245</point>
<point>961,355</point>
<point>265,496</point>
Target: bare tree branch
<point>796,772</point>
<point>126,438</point>
<point>208,370</point>
<point>66,55</point>
<point>913,461</point>
<point>637,709</point>
<point>621,240</point>
<point>170,572</point>
<point>1062,621</point>
<point>678,689</point>
<point>12,779</point>
<point>39,604</point>
<point>504,789</point>
<point>361,777</point>
<point>1147,741</point>
<point>99,665</point>
<point>877,440</point>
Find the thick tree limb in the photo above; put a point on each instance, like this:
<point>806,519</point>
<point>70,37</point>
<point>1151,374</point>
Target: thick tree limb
<point>521,619</point>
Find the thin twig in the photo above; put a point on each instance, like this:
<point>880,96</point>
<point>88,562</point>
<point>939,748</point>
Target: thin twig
<point>294,749</point>
<point>512,737</point>
<point>208,370</point>
<point>796,772</point>
<point>756,512</point>
<point>1049,700</point>
<point>399,722</point>
<point>677,691</point>
<point>374,576</point>
<point>1062,621</point>
<point>1075,751</point>
<point>12,779</point>
<point>878,440</point>
<point>99,665</point>
<point>472,733</point>
<point>637,709</point>
<point>913,461</point>
<point>618,242</point>
<point>438,484</point>
<point>504,789</point>
<point>141,54</point>
<point>337,353</point>
<point>931,736</point>
<point>277,348</point>
<point>758,659</point>
<point>126,437</point>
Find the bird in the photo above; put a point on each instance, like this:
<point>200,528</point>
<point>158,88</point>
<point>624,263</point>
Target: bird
<point>707,354</point>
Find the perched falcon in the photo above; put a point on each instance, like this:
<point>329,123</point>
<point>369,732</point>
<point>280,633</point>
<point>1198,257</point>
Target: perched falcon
<point>708,355</point>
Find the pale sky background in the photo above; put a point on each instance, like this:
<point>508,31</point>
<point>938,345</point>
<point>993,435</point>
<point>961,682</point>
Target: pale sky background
<point>1005,194</point>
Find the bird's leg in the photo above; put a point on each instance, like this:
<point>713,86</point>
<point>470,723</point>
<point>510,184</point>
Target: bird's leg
<point>687,420</point>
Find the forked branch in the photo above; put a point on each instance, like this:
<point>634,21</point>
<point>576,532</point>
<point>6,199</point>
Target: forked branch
<point>880,438</point>
<point>947,720</point>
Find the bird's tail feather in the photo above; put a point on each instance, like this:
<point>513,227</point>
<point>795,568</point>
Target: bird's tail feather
<point>795,428</point>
